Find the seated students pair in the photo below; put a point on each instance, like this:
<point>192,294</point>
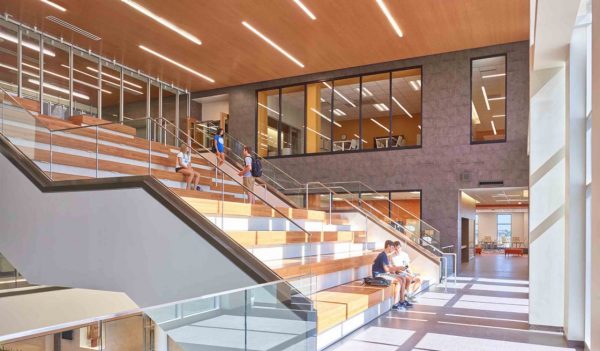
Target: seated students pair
<point>395,273</point>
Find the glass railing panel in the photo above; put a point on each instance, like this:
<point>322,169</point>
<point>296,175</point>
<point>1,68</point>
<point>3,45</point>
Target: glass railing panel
<point>272,317</point>
<point>10,278</point>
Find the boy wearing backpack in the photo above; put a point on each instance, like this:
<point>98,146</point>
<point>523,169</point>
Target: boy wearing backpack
<point>248,173</point>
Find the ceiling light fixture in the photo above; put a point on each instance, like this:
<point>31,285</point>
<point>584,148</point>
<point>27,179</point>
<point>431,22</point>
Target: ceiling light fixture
<point>365,92</point>
<point>494,128</point>
<point>159,55</point>
<point>314,131</point>
<point>474,114</point>
<point>26,44</point>
<point>338,112</point>
<point>415,85</point>
<point>494,75</point>
<point>56,6</point>
<point>340,95</point>
<point>270,42</point>
<point>305,9</point>
<point>381,125</point>
<point>363,140</point>
<point>125,81</point>
<point>495,116</point>
<point>324,117</point>
<point>162,21</point>
<point>485,97</point>
<point>73,28</point>
<point>391,19</point>
<point>323,100</point>
<point>59,89</point>
<point>419,126</point>
<point>402,107</point>
<point>381,107</point>
<point>268,108</point>
<point>497,98</point>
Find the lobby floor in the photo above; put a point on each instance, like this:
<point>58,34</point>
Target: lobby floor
<point>487,310</point>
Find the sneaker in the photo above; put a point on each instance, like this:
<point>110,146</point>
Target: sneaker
<point>411,298</point>
<point>398,307</point>
<point>198,188</point>
<point>406,304</point>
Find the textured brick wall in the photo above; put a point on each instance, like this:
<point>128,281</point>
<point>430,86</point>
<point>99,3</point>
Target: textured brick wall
<point>446,151</point>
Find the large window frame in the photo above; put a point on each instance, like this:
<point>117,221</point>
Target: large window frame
<point>477,142</point>
<point>331,81</point>
<point>498,224</point>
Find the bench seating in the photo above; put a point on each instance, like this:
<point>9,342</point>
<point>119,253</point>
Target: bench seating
<point>84,120</point>
<point>322,264</point>
<point>340,303</point>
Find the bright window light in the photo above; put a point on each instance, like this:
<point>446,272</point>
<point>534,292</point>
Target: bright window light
<point>270,42</point>
<point>163,21</point>
<point>56,6</point>
<point>59,89</point>
<point>485,97</point>
<point>381,125</point>
<point>402,107</point>
<point>26,44</point>
<point>305,9</point>
<point>159,55</point>
<point>390,18</point>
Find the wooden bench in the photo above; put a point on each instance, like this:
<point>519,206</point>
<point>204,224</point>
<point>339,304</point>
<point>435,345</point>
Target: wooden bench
<point>322,264</point>
<point>83,120</point>
<point>353,297</point>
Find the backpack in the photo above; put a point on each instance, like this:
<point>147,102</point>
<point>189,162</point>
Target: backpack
<point>256,167</point>
<point>377,281</point>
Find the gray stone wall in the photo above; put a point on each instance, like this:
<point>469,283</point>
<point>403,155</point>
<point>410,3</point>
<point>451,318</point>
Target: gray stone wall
<point>446,152</point>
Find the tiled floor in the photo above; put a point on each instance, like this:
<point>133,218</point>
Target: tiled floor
<point>486,310</point>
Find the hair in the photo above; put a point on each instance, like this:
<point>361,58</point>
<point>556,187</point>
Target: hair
<point>219,130</point>
<point>396,243</point>
<point>248,149</point>
<point>182,147</point>
<point>388,243</point>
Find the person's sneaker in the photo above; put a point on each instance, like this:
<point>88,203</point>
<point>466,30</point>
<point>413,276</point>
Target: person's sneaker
<point>198,188</point>
<point>406,304</point>
<point>398,307</point>
<point>411,298</point>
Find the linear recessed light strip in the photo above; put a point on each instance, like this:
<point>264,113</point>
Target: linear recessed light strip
<point>305,9</point>
<point>494,75</point>
<point>381,125</point>
<point>176,63</point>
<point>26,44</point>
<point>390,18</point>
<point>324,117</point>
<point>363,140</point>
<point>402,107</point>
<point>314,131</point>
<point>268,108</point>
<point>73,28</point>
<point>338,112</point>
<point>272,43</point>
<point>485,97</point>
<point>497,116</point>
<point>494,128</point>
<point>381,107</point>
<point>340,95</point>
<point>497,98</point>
<point>163,21</point>
<point>56,6</point>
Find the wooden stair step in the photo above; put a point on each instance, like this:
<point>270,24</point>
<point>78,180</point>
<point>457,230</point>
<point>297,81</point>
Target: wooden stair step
<point>277,237</point>
<point>82,120</point>
<point>329,314</point>
<point>322,264</point>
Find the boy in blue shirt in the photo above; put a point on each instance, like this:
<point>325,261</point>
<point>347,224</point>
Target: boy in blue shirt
<point>382,268</point>
<point>220,147</point>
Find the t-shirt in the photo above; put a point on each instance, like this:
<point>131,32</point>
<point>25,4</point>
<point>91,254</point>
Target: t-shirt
<point>183,160</point>
<point>380,261</point>
<point>401,259</point>
<point>248,162</point>
<point>220,144</point>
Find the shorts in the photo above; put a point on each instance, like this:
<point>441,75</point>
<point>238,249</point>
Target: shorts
<point>249,183</point>
<point>390,276</point>
<point>178,168</point>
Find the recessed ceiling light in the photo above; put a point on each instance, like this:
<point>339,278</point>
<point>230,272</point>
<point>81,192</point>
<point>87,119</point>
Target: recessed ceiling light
<point>73,28</point>
<point>485,97</point>
<point>176,63</point>
<point>402,107</point>
<point>324,117</point>
<point>270,42</point>
<point>363,140</point>
<point>59,89</point>
<point>391,19</point>
<point>494,75</point>
<point>323,100</point>
<point>497,98</point>
<point>26,44</point>
<point>305,9</point>
<point>56,6</point>
<point>365,92</point>
<point>381,125</point>
<point>415,85</point>
<point>267,108</point>
<point>163,21</point>
<point>314,131</point>
<point>338,112</point>
<point>494,128</point>
<point>381,107</point>
<point>495,116</point>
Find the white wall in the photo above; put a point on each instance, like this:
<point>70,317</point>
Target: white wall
<point>115,240</point>
<point>547,197</point>
<point>488,225</point>
<point>211,111</point>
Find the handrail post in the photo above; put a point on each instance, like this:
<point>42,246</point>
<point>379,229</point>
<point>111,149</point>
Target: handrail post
<point>307,196</point>
<point>51,154</point>
<point>97,150</point>
<point>330,205</point>
<point>149,132</point>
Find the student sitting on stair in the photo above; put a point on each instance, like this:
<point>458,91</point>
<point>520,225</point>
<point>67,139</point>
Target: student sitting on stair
<point>383,268</point>
<point>413,281</point>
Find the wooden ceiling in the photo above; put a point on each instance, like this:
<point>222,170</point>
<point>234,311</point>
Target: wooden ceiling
<point>346,33</point>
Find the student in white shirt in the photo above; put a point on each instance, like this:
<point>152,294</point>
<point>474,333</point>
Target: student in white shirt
<point>184,166</point>
<point>246,174</point>
<point>401,259</point>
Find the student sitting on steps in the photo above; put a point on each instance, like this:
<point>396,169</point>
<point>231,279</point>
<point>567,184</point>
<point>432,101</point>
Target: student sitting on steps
<point>383,268</point>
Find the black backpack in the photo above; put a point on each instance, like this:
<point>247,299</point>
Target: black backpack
<point>256,167</point>
<point>377,281</point>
